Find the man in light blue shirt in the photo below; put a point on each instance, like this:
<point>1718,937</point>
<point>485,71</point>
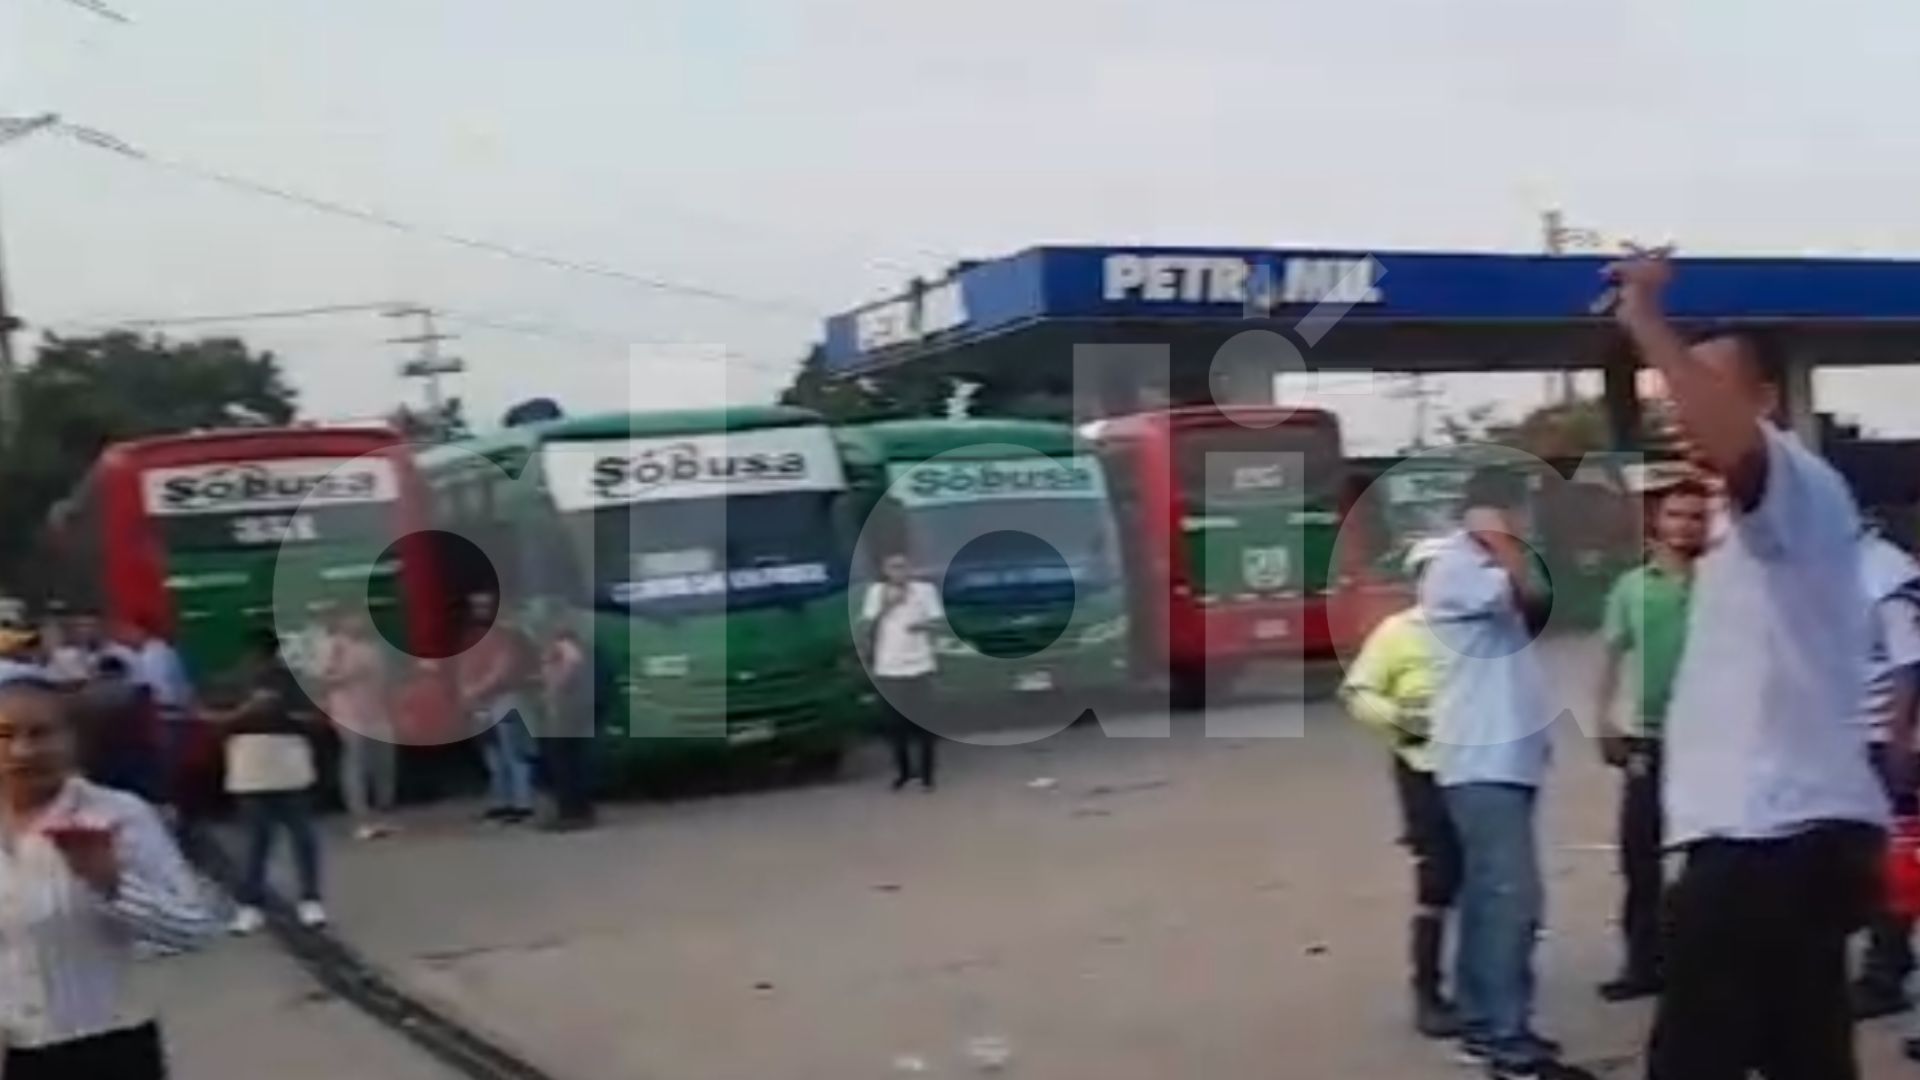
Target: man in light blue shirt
<point>1768,785</point>
<point>1491,715</point>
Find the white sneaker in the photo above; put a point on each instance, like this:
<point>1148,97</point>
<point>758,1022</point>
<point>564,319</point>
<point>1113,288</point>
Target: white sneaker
<point>246,920</point>
<point>311,914</point>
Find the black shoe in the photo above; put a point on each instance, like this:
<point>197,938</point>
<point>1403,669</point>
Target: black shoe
<point>900,782</point>
<point>1631,987</point>
<point>1874,998</point>
<point>1545,1068</point>
<point>1539,1047</point>
<point>1472,1051</point>
<point>1433,1017</point>
<point>496,813</point>
<point>1911,1048</point>
<point>514,816</point>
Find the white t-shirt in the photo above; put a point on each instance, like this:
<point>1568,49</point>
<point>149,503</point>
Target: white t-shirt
<point>1763,735</point>
<point>1891,580</point>
<point>902,649</point>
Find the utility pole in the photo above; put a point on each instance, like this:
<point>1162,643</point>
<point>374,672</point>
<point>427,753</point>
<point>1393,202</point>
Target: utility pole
<point>1413,387</point>
<point>428,364</point>
<point>12,128</point>
<point>1556,238</point>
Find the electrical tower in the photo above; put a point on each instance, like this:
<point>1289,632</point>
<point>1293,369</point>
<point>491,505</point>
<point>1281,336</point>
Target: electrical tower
<point>1414,387</point>
<point>429,364</point>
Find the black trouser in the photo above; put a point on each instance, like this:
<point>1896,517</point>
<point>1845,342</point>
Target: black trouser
<point>133,1054</point>
<point>906,702</point>
<point>567,765</point>
<point>1757,961</point>
<point>1888,958</point>
<point>1642,859</point>
<point>1428,833</point>
<point>264,814</point>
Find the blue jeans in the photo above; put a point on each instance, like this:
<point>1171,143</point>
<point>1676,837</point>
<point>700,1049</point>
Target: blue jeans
<point>1500,908</point>
<point>263,813</point>
<point>508,752</point>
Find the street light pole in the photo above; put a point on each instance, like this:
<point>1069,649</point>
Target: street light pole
<point>12,128</point>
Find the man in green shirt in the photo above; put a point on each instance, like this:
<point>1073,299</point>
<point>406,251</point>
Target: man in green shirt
<point>1645,630</point>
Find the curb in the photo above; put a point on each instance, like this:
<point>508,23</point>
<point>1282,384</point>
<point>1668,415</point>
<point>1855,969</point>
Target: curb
<point>343,971</point>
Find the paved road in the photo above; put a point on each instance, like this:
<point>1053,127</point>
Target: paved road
<point>1212,907</point>
<point>243,1011</point>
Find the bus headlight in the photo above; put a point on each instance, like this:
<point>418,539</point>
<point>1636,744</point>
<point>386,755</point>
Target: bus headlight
<point>1104,631</point>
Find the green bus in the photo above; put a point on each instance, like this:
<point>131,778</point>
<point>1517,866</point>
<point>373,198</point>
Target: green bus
<point>704,550</point>
<point>1012,518</point>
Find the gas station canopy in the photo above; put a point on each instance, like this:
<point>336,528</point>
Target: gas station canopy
<point>1397,311</point>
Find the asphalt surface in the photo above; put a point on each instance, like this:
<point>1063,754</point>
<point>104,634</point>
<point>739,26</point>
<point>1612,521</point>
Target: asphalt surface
<point>1099,904</point>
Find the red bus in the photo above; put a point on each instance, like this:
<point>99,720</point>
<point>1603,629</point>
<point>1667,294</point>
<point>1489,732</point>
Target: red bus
<point>1231,514</point>
<point>185,535</point>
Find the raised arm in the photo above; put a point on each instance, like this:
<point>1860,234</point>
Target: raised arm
<point>1718,418</point>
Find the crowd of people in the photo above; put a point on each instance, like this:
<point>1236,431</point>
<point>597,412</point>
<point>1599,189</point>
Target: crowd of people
<point>111,762</point>
<point>1760,698</point>
<point>1774,644</point>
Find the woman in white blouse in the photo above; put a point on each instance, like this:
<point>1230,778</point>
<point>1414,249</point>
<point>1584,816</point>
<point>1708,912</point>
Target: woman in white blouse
<point>85,872</point>
<point>898,615</point>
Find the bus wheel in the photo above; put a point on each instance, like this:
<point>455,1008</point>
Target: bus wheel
<point>820,765</point>
<point>1194,688</point>
<point>1189,690</point>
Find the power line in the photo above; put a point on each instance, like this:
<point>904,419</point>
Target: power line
<point>100,140</point>
<point>544,329</point>
<point>101,10</point>
<point>562,332</point>
<point>168,321</point>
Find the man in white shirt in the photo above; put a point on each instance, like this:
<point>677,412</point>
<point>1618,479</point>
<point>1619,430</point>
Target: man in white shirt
<point>897,616</point>
<point>1769,789</point>
<point>1890,710</point>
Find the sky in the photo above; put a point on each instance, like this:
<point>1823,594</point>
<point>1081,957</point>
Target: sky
<point>801,158</point>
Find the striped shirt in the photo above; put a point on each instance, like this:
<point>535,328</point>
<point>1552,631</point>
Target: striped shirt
<point>1891,580</point>
<point>66,952</point>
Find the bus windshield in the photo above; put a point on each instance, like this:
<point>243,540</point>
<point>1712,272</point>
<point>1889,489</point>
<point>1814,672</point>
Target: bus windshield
<point>1057,545</point>
<point>682,556</point>
<point>1230,466</point>
<point>701,522</point>
<point>1009,529</point>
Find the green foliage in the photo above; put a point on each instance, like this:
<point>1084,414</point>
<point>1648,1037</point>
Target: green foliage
<point>901,392</point>
<point>421,425</point>
<point>1559,430</point>
<point>82,393</point>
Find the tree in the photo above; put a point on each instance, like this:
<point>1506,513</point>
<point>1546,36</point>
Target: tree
<point>908,390</point>
<point>1558,430</point>
<point>421,425</point>
<point>82,393</point>
<point>1571,429</point>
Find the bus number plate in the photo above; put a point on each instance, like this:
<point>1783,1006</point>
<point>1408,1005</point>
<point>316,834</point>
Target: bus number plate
<point>1272,629</point>
<point>274,528</point>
